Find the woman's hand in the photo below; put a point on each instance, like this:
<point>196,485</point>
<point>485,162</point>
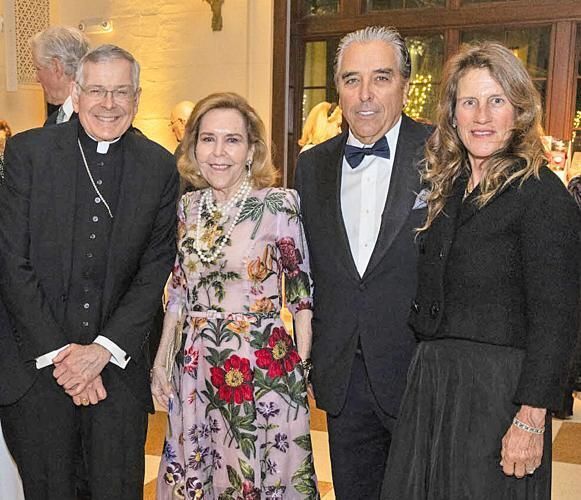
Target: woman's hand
<point>160,386</point>
<point>522,450</point>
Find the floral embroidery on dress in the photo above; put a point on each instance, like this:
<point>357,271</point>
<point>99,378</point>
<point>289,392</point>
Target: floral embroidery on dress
<point>240,418</point>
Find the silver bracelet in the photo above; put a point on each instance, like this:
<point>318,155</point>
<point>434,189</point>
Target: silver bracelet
<point>521,425</point>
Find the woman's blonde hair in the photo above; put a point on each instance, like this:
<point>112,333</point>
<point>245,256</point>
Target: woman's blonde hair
<point>322,123</point>
<point>262,173</point>
<point>446,156</point>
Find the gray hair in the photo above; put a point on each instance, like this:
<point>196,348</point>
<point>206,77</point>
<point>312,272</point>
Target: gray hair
<point>64,43</point>
<point>107,53</point>
<point>389,35</point>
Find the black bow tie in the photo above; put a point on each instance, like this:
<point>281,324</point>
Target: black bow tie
<point>354,155</point>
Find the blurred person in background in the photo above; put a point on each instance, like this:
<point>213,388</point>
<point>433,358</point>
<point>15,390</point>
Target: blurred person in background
<point>56,53</point>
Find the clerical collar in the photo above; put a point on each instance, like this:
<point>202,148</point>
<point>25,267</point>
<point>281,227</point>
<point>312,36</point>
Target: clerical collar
<point>102,146</point>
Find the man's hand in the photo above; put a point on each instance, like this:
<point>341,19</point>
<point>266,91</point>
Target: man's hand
<point>78,365</point>
<point>94,393</point>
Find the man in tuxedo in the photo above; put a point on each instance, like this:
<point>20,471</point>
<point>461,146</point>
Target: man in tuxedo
<point>359,203</point>
<point>56,53</point>
<point>87,240</point>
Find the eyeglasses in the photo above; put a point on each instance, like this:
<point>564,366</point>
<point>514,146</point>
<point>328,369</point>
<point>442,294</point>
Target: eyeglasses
<point>120,94</point>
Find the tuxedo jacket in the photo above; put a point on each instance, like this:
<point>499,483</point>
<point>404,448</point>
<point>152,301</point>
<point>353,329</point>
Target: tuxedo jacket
<point>370,310</point>
<point>37,209</point>
<point>506,274</point>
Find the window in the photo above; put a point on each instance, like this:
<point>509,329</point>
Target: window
<point>321,7</point>
<point>427,55</point>
<point>530,45</point>
<point>403,4</point>
<point>318,84</point>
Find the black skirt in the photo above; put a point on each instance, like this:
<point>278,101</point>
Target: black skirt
<point>456,409</point>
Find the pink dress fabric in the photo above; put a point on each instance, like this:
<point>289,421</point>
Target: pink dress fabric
<point>239,423</point>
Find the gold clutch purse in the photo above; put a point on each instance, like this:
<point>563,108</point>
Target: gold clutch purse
<point>285,314</point>
<point>175,344</point>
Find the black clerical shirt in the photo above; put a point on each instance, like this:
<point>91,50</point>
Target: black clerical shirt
<point>91,235</point>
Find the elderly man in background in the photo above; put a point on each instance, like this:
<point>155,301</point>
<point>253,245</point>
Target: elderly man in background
<point>56,53</point>
<point>360,208</point>
<point>179,117</point>
<point>87,240</point>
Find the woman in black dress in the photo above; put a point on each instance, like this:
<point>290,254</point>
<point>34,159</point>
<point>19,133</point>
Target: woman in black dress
<point>496,312</point>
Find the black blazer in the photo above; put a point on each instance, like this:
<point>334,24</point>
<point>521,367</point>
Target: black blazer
<point>36,226</point>
<point>508,275</point>
<point>371,310</point>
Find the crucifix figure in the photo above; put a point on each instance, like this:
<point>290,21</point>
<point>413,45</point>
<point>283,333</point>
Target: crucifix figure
<point>216,6</point>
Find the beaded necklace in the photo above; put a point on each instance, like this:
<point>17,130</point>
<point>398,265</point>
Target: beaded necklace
<point>207,204</point>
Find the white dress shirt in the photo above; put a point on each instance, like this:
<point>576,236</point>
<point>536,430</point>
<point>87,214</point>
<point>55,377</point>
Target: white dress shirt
<point>67,107</point>
<point>363,196</point>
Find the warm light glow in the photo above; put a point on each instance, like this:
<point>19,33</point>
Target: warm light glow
<point>420,90</point>
<point>577,120</point>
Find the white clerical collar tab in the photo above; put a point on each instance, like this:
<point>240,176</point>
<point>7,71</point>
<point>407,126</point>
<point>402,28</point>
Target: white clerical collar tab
<point>102,146</point>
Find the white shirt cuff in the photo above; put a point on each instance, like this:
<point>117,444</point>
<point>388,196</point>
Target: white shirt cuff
<point>118,356</point>
<point>46,359</point>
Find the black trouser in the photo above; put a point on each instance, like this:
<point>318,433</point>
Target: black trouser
<point>65,452</point>
<point>359,439</point>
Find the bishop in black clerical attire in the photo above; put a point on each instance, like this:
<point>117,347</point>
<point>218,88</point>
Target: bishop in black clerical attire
<point>87,240</point>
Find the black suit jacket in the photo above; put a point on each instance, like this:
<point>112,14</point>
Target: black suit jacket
<point>372,309</point>
<point>508,275</point>
<point>36,235</point>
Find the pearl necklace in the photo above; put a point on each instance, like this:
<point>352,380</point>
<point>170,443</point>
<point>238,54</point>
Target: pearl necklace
<point>207,203</point>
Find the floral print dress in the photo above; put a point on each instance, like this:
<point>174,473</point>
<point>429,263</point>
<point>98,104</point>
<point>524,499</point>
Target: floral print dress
<point>239,423</point>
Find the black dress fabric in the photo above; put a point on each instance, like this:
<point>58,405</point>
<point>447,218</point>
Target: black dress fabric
<point>496,314</point>
<point>456,409</point>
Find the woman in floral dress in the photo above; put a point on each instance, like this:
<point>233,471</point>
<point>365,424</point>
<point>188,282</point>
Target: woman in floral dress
<point>238,412</point>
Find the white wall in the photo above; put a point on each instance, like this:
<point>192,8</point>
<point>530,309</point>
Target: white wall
<point>181,57</point>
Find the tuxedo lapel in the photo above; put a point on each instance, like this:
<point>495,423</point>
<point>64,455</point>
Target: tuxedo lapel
<point>64,163</point>
<point>331,189</point>
<point>403,188</point>
<point>130,192</point>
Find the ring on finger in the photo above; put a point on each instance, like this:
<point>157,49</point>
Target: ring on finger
<point>85,401</point>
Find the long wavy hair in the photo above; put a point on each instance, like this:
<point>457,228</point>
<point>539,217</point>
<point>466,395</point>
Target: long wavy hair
<point>262,174</point>
<point>446,156</point>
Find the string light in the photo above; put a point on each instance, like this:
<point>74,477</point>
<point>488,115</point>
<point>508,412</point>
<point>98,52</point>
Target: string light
<point>420,90</point>
<point>577,120</point>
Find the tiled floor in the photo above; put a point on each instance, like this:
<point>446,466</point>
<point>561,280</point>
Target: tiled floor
<point>566,455</point>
